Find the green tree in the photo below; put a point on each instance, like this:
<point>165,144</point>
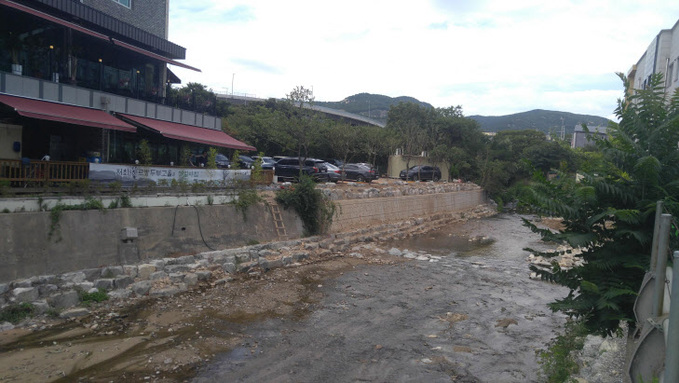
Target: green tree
<point>301,122</point>
<point>412,124</point>
<point>611,214</point>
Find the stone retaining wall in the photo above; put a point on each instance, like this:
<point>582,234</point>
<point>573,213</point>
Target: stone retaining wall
<point>172,275</point>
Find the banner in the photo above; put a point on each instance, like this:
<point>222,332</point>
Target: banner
<point>131,174</point>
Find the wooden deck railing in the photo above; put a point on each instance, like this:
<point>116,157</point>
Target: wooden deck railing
<point>22,173</point>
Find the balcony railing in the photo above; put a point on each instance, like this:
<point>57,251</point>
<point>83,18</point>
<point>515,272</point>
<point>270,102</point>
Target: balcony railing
<point>39,173</point>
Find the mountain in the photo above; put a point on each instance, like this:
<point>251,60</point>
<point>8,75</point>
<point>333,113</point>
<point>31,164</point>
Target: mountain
<point>375,106</point>
<point>546,121</point>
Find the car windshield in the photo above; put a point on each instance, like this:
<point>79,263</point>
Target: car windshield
<point>331,166</point>
<point>221,157</point>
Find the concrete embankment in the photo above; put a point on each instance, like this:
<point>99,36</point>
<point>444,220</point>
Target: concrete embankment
<point>45,243</point>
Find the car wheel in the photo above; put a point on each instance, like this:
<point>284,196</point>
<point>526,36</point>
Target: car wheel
<point>435,178</point>
<point>360,179</point>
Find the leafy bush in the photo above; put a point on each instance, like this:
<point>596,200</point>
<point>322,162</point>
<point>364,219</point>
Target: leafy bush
<point>314,208</point>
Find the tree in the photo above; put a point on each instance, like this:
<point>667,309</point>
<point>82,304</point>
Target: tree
<point>412,124</point>
<point>300,127</point>
<point>611,214</point>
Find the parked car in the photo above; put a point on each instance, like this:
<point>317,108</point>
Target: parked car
<point>268,163</point>
<point>334,173</point>
<point>222,161</point>
<point>288,169</point>
<point>421,172</point>
<point>245,162</point>
<point>356,172</point>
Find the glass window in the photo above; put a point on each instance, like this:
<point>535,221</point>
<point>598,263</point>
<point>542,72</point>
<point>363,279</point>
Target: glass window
<point>127,3</point>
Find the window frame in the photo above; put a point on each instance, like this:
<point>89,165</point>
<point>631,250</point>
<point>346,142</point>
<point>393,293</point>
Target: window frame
<point>121,2</point>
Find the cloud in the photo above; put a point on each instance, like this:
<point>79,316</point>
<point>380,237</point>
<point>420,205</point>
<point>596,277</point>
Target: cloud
<point>491,56</point>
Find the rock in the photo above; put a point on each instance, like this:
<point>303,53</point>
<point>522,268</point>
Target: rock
<point>191,279</point>
<point>74,313</point>
<point>75,277</point>
<point>6,326</point>
<point>40,307</point>
<point>104,283</point>
<point>84,286</point>
<point>22,283</point>
<point>47,279</point>
<point>25,294</point>
<point>131,270</point>
<point>120,294</point>
<point>64,300</point>
<point>395,252</point>
<point>92,274</point>
<point>158,275</point>
<point>122,282</point>
<point>185,260</point>
<point>176,277</point>
<point>300,256</point>
<point>229,267</point>
<point>204,275</point>
<point>144,271</point>
<point>45,290</point>
<point>4,287</point>
<point>177,268</point>
<point>157,263</point>
<point>111,271</point>
<point>141,288</point>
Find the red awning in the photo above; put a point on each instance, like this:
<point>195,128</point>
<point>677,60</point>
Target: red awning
<point>70,114</point>
<point>152,55</point>
<point>53,19</point>
<point>189,133</point>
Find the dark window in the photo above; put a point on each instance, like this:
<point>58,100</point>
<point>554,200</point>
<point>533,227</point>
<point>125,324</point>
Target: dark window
<point>127,3</point>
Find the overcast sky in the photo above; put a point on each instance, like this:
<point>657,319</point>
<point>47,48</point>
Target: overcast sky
<point>492,57</point>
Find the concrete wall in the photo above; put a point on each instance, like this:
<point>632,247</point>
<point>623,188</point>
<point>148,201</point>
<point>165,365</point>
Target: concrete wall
<point>92,238</point>
<point>355,213</point>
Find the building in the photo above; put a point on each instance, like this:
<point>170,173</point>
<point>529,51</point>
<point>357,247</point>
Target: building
<point>581,138</point>
<point>87,80</point>
<point>661,56</point>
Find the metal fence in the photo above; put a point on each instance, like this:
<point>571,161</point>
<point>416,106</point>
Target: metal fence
<point>655,344</point>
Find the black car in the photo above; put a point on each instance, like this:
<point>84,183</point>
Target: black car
<point>421,172</point>
<point>288,169</point>
<point>222,161</point>
<point>358,172</point>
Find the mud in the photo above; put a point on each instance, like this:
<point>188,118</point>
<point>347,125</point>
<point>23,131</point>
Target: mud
<point>473,316</point>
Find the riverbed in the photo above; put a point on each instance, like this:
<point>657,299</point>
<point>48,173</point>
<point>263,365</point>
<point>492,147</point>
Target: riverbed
<point>466,311</point>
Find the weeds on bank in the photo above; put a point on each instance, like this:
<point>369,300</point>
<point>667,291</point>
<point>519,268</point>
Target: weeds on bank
<point>87,299</point>
<point>16,313</point>
<point>558,362</point>
<point>314,208</point>
<point>246,198</point>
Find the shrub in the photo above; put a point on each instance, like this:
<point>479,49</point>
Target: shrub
<point>314,208</point>
<point>16,313</point>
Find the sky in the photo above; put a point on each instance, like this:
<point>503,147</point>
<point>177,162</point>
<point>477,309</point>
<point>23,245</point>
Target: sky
<point>492,57</point>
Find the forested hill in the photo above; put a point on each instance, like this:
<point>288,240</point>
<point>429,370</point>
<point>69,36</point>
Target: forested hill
<point>543,120</point>
<point>375,106</point>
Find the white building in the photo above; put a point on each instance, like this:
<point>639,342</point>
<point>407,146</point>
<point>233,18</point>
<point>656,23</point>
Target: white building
<point>661,56</point>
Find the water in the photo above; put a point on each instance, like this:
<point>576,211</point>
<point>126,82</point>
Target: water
<point>472,316</point>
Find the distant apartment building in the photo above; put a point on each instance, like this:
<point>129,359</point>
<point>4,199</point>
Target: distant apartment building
<point>582,138</point>
<point>88,80</point>
<point>662,56</point>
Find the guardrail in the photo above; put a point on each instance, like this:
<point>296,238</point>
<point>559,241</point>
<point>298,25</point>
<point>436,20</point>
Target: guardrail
<point>655,353</point>
<point>25,172</point>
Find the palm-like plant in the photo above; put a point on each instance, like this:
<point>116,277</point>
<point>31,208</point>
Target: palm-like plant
<point>611,214</point>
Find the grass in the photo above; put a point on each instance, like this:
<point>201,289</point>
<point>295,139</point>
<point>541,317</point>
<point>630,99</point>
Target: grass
<point>558,361</point>
<point>16,313</point>
<point>95,297</point>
